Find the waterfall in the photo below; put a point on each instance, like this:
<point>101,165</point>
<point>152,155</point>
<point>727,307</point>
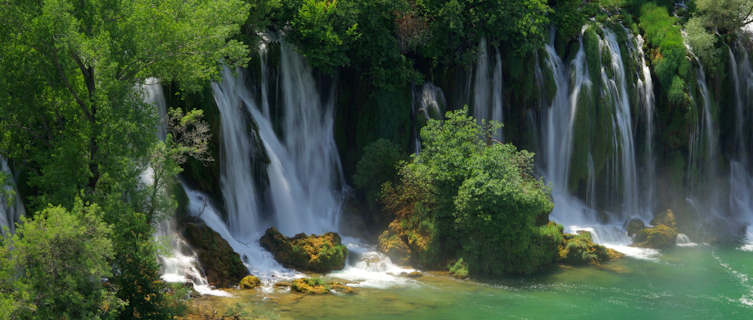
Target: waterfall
<point>303,171</point>
<point>574,86</point>
<point>180,263</point>
<point>646,94</point>
<point>487,90</point>
<point>11,207</point>
<point>427,103</point>
<point>740,178</point>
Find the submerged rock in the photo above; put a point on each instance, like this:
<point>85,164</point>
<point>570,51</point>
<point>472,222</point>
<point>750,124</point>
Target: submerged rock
<point>249,282</point>
<point>303,252</point>
<point>579,249</point>
<point>222,266</point>
<point>634,226</point>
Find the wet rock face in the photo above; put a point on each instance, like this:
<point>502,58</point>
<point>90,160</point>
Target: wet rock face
<point>313,253</point>
<point>222,266</point>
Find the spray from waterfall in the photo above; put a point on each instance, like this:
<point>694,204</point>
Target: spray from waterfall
<point>11,207</point>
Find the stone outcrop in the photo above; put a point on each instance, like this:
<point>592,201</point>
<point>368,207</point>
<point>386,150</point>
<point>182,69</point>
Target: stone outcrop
<point>303,252</point>
<point>222,266</point>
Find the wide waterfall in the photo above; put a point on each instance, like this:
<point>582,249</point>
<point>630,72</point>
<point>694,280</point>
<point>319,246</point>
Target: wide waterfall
<point>487,89</point>
<point>11,207</point>
<point>594,209</point>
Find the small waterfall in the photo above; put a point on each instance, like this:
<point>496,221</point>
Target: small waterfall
<point>11,207</point>
<point>646,94</point>
<point>427,103</point>
<point>574,86</point>
<point>180,263</point>
<point>487,90</point>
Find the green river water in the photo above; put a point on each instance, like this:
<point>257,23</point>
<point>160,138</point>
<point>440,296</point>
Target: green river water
<point>683,283</point>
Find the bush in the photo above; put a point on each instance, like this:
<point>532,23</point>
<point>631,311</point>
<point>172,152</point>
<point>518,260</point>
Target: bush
<point>55,265</point>
<point>469,195</point>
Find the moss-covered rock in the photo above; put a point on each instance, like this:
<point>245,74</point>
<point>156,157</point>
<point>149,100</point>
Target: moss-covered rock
<point>303,252</point>
<point>666,218</point>
<point>309,286</point>
<point>657,237</point>
<point>249,282</point>
<point>222,266</point>
<point>634,226</point>
<point>579,249</point>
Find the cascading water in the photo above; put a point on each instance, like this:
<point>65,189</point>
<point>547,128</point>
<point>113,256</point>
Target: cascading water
<point>645,88</point>
<point>303,180</point>
<point>741,179</point>
<point>427,103</point>
<point>574,85</point>
<point>180,262</point>
<point>487,90</point>
<point>11,207</point>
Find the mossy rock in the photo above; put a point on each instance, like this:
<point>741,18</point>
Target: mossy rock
<point>249,282</point>
<point>342,288</point>
<point>579,249</point>
<point>657,237</point>
<point>634,226</point>
<point>666,218</point>
<point>222,266</point>
<point>395,248</point>
<point>320,254</point>
<point>309,286</point>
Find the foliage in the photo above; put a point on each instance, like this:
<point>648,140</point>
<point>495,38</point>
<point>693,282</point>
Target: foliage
<point>568,17</point>
<point>54,266</point>
<point>377,166</point>
<point>664,34</point>
<point>459,269</point>
<point>483,198</point>
<point>725,16</point>
<point>703,43</point>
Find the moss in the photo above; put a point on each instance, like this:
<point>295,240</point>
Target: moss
<point>309,286</point>
<point>579,249</point>
<point>666,218</point>
<point>306,253</point>
<point>249,282</point>
<point>459,269</point>
<point>634,226</point>
<point>658,237</point>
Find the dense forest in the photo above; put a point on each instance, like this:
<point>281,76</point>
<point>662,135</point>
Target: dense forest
<point>196,159</point>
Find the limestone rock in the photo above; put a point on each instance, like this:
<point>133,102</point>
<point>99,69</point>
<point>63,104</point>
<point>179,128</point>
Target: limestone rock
<point>249,282</point>
<point>303,252</point>
<point>222,266</point>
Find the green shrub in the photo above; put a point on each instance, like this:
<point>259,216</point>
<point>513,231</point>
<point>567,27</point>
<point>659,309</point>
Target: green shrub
<point>54,265</point>
<point>377,166</point>
<point>459,269</point>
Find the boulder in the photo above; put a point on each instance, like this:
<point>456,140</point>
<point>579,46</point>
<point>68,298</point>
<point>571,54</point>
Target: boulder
<point>658,237</point>
<point>579,249</point>
<point>249,282</point>
<point>303,252</point>
<point>222,266</point>
<point>634,226</point>
<point>666,218</point>
<point>309,286</point>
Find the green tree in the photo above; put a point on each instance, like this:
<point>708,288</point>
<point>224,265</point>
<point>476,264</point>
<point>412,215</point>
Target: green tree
<point>55,265</point>
<point>72,115</point>
<point>377,166</point>
<point>725,16</point>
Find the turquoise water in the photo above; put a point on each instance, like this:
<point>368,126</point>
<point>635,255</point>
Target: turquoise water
<point>684,283</point>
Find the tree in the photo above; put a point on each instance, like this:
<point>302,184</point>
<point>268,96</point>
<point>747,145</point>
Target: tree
<point>73,119</point>
<point>725,15</point>
<point>54,266</point>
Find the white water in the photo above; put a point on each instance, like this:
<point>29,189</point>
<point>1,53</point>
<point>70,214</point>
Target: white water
<point>11,207</point>
<point>683,241</point>
<point>305,180</point>
<point>179,263</point>
<point>487,89</point>
<point>557,127</point>
<point>428,103</point>
<point>368,268</point>
<point>645,88</point>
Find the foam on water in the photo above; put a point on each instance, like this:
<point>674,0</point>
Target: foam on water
<point>368,268</point>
